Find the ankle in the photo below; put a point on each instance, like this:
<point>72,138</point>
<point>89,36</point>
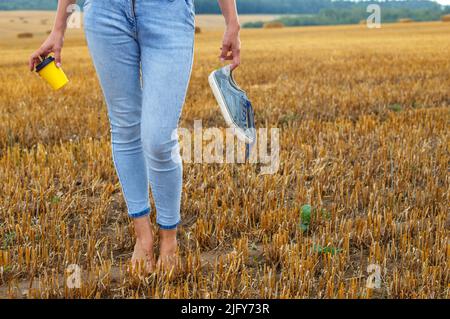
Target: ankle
<point>168,234</point>
<point>144,243</point>
<point>168,246</point>
<point>168,242</point>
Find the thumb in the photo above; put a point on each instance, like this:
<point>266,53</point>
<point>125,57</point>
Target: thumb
<point>57,57</point>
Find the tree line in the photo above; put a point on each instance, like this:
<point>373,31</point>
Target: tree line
<point>354,15</point>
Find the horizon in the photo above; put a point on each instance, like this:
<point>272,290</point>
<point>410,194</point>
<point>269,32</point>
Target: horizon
<point>441,2</point>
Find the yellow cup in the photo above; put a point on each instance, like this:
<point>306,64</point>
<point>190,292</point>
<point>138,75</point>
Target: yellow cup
<point>53,75</point>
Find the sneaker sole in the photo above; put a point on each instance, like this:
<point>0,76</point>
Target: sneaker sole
<point>225,113</point>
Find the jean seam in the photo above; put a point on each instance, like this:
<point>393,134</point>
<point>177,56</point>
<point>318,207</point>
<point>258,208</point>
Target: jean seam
<point>117,170</point>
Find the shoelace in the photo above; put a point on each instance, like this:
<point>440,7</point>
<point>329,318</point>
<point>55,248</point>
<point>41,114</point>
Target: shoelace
<point>244,116</point>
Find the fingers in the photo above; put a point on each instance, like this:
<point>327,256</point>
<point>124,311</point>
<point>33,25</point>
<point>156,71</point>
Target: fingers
<point>226,47</point>
<point>57,53</point>
<point>35,58</point>
<point>231,53</point>
<point>236,58</point>
<point>41,54</point>
<point>228,58</point>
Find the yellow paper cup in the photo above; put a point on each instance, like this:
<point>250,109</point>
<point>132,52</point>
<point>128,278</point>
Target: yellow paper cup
<point>53,75</point>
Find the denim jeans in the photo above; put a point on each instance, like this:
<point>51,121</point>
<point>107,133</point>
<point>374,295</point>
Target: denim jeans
<point>142,51</point>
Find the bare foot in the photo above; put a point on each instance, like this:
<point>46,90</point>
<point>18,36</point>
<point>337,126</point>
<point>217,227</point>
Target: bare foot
<point>143,249</point>
<point>142,257</point>
<point>168,247</point>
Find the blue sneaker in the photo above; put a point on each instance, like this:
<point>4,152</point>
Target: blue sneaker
<point>234,104</point>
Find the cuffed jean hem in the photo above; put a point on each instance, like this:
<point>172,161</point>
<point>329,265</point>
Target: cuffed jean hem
<point>169,227</point>
<point>140,214</point>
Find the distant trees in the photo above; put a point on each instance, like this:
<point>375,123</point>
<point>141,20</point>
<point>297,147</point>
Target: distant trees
<point>355,15</point>
<point>28,4</point>
<point>307,6</point>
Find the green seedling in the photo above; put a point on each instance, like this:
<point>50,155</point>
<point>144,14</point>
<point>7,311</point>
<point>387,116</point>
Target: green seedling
<point>327,250</point>
<point>306,214</point>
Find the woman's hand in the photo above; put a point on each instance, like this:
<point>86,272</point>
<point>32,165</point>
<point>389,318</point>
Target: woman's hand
<point>231,46</point>
<point>55,40</point>
<point>54,43</point>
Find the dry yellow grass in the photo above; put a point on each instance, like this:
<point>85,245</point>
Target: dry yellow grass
<point>405,20</point>
<point>273,25</point>
<point>446,18</point>
<point>13,22</point>
<point>364,135</point>
<point>25,35</point>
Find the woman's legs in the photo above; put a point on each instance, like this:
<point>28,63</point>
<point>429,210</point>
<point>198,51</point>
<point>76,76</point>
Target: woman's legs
<point>116,56</point>
<point>153,39</point>
<point>165,31</point>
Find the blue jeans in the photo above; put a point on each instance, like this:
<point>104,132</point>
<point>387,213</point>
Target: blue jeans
<point>142,52</point>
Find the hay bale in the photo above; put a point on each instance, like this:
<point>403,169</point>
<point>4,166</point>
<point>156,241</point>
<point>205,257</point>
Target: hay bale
<point>273,25</point>
<point>405,20</point>
<point>198,30</point>
<point>25,35</point>
<point>446,18</point>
